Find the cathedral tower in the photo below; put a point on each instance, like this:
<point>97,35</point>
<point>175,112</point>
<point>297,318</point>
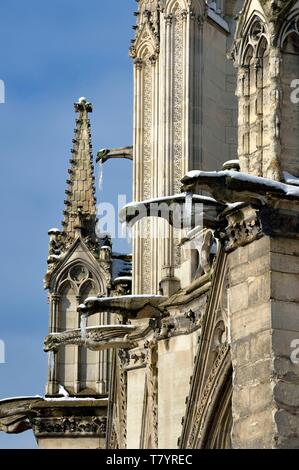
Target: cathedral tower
<point>183,80</point>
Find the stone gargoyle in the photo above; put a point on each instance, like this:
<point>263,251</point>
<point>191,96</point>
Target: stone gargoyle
<point>94,338</point>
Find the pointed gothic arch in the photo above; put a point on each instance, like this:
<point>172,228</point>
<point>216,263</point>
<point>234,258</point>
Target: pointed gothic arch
<point>146,43</point>
<point>79,370</point>
<point>289,28</point>
<point>173,6</point>
<point>220,421</point>
<point>289,72</point>
<point>253,52</point>
<point>96,273</point>
<point>254,31</point>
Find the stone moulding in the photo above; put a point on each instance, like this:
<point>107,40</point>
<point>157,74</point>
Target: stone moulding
<point>70,426</point>
<point>209,389</point>
<point>74,416</point>
<point>212,363</point>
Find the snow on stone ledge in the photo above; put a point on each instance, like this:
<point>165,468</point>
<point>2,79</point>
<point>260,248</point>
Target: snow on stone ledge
<point>290,179</point>
<point>257,182</point>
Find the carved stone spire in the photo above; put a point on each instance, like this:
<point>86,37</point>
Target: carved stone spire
<point>147,28</point>
<point>80,203</point>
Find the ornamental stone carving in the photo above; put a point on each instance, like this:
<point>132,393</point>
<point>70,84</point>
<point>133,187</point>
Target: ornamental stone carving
<point>72,426</point>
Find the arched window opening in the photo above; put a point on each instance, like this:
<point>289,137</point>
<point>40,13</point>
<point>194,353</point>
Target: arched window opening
<point>67,320</point>
<point>255,65</point>
<point>290,109</point>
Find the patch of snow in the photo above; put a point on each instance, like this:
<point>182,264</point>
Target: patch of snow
<point>232,162</point>
<point>173,198</point>
<point>123,278</point>
<point>20,398</point>
<point>81,306</point>
<point>234,205</point>
<point>104,235</point>
<point>290,179</point>
<point>231,165</point>
<point>214,16</point>
<point>140,296</point>
<point>271,184</point>
<point>74,399</point>
<point>62,391</point>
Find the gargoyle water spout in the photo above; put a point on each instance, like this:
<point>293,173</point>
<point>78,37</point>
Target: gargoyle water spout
<point>234,186</point>
<point>96,338</point>
<point>185,210</point>
<point>107,154</point>
<point>131,307</point>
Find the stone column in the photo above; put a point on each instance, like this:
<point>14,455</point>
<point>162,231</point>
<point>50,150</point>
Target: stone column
<point>54,300</point>
<point>271,163</point>
<point>52,385</point>
<point>242,94</point>
<point>263,324</point>
<point>155,252</point>
<point>77,358</point>
<point>137,177</point>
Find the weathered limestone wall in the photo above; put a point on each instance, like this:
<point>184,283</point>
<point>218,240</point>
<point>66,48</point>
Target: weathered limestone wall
<point>290,112</point>
<point>219,122</point>
<point>71,443</point>
<point>135,397</point>
<point>175,367</point>
<point>264,320</point>
<point>185,117</point>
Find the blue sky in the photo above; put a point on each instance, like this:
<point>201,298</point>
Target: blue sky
<point>52,52</point>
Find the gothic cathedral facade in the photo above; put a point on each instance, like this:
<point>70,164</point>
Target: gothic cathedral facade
<point>189,343</point>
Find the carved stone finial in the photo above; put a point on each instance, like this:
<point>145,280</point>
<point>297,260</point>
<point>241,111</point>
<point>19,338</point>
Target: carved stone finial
<point>83,105</point>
